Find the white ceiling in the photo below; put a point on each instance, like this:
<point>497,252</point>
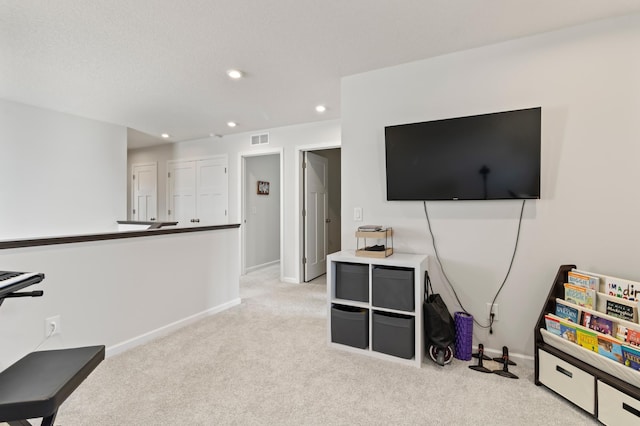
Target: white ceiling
<point>160,65</point>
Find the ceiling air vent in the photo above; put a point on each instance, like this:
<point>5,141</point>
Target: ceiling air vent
<point>262,139</point>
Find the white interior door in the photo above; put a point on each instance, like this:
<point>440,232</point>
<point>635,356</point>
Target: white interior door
<point>144,190</point>
<point>182,192</point>
<point>316,211</point>
<point>212,191</point>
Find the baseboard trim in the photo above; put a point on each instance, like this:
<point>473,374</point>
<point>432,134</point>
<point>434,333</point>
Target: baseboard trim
<point>290,280</point>
<point>154,334</point>
<point>264,265</point>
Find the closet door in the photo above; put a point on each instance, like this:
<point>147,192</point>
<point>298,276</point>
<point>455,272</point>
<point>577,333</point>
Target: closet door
<point>197,191</point>
<point>144,191</point>
<point>212,191</point>
<point>182,192</point>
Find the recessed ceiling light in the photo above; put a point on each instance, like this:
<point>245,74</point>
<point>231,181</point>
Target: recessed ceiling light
<point>165,135</point>
<point>232,124</point>
<point>234,74</point>
<point>321,108</point>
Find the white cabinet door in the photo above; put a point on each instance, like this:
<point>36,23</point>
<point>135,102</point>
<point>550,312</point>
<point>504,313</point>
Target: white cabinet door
<point>144,190</point>
<point>198,191</point>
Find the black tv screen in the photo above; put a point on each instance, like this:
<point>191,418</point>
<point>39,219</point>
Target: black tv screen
<point>482,157</point>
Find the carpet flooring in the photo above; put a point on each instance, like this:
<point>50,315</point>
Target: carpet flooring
<point>267,362</point>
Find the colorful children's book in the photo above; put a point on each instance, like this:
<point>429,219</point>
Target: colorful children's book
<point>620,310</point>
<point>587,339</point>
<point>568,331</point>
<point>610,347</point>
<point>568,310</point>
<point>599,324</point>
<point>624,289</point>
<point>631,357</point>
<point>579,295</point>
<point>553,324</point>
<point>613,286</point>
<point>617,307</point>
<point>621,332</point>
<point>583,279</point>
<point>633,337</point>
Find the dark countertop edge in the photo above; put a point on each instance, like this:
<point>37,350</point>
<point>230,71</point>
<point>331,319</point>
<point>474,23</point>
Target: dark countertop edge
<point>47,241</point>
<point>152,225</point>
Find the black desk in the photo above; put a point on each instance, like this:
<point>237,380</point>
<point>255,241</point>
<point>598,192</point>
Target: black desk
<point>36,385</point>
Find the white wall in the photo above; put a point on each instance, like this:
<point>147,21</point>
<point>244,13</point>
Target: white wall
<point>262,219</point>
<point>586,80</point>
<point>60,174</point>
<point>119,293</point>
<point>64,175</point>
<point>290,139</point>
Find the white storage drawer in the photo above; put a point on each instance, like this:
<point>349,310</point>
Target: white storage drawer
<point>567,380</point>
<point>617,408</point>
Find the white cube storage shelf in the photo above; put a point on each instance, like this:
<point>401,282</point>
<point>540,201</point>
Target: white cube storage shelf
<point>394,295</point>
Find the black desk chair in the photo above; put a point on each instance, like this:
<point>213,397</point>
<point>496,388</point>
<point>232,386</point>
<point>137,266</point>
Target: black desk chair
<point>36,385</point>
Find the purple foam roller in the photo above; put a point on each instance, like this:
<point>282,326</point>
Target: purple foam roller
<point>464,335</point>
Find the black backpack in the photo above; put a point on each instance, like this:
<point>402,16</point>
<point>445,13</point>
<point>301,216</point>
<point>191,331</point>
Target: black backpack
<point>439,328</point>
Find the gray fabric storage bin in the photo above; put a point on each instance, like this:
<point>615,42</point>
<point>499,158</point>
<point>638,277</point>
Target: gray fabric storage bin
<point>350,326</point>
<point>392,288</point>
<point>394,334</point>
<point>352,281</point>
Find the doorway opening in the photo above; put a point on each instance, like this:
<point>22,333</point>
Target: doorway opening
<point>321,206</point>
<point>261,208</point>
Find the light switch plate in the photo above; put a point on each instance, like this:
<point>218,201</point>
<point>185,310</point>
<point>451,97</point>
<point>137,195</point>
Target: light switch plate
<point>357,214</point>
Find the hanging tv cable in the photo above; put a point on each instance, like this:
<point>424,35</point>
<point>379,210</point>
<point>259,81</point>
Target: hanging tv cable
<point>448,281</point>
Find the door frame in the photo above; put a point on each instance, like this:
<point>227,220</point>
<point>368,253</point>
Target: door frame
<point>299,197</point>
<point>242,156</point>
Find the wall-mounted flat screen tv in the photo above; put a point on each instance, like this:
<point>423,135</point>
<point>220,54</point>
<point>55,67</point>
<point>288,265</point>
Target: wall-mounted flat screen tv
<point>482,157</point>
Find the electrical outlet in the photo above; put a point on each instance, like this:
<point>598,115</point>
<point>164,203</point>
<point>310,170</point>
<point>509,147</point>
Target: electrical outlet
<point>495,311</point>
<point>52,326</point>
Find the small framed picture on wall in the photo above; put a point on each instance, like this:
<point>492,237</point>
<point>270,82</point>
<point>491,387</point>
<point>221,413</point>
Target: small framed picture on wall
<point>263,188</point>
